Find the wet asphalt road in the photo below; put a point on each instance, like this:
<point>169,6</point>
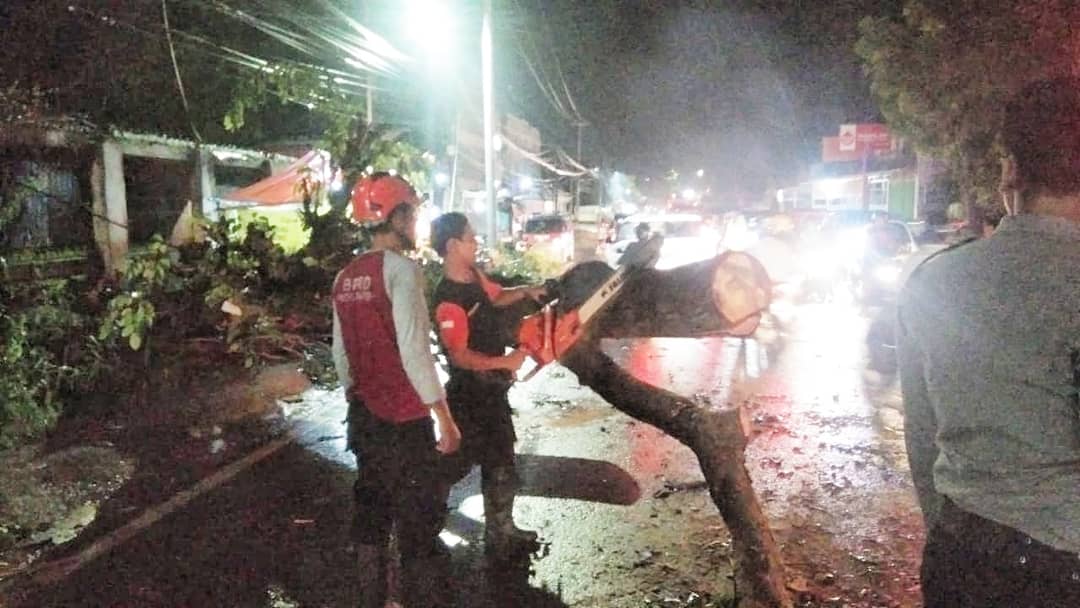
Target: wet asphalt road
<point>620,504</point>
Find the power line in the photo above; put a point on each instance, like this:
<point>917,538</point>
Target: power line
<point>235,59</point>
<point>239,58</point>
<point>541,161</point>
<point>176,70</point>
<point>541,75</point>
<point>368,52</point>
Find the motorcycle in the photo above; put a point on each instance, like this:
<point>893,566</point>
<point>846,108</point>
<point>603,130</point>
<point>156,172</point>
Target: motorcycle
<point>881,341</point>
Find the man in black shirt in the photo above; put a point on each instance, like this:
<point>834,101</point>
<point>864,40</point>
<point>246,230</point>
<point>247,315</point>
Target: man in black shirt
<point>475,337</point>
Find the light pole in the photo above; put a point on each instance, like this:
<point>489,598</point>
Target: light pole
<point>486,70</point>
<point>369,93</point>
<point>432,21</point>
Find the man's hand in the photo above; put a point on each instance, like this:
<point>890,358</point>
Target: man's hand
<point>447,429</point>
<point>514,360</point>
<point>449,438</point>
<point>536,292</point>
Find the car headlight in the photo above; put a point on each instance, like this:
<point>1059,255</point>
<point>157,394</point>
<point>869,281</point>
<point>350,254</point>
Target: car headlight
<point>889,274</point>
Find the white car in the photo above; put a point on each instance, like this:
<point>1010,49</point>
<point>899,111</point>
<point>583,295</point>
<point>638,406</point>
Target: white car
<point>687,238</point>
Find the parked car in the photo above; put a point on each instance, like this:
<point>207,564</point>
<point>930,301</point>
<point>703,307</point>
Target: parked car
<point>687,237</point>
<point>553,234</point>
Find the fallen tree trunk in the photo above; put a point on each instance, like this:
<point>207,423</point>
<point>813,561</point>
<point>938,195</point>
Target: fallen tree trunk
<point>664,303</point>
<point>685,301</point>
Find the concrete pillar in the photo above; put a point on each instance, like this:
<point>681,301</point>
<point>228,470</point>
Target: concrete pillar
<point>116,213</point>
<point>100,223</point>
<point>205,183</point>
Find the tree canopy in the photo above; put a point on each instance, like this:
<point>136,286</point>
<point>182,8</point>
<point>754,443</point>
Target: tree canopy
<point>943,71</point>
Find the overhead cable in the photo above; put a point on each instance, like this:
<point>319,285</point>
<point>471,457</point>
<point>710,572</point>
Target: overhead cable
<point>176,70</point>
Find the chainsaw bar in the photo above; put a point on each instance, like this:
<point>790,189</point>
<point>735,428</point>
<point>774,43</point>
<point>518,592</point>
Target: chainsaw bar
<point>547,337</point>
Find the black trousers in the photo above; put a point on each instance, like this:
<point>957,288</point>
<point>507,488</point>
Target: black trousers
<point>972,562</point>
<point>399,481</point>
<point>482,413</point>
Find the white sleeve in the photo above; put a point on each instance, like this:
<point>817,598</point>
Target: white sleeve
<point>405,286</point>
<point>341,360</point>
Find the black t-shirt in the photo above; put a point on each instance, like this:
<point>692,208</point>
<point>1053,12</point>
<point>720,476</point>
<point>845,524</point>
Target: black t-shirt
<point>467,308</point>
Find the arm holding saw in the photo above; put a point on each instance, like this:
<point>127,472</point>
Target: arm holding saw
<point>454,328</point>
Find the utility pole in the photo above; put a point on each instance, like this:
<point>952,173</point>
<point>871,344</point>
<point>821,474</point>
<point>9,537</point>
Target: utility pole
<point>452,204</point>
<point>369,93</point>
<point>370,102</point>
<point>486,71</point>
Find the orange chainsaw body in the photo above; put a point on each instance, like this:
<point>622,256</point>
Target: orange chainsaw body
<point>545,337</point>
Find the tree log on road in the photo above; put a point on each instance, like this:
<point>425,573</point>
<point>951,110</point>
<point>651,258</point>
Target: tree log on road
<point>686,301</point>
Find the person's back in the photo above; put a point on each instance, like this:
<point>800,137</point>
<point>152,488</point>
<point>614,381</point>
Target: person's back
<point>636,249</point>
<point>999,335</point>
<point>383,359</point>
<point>988,346</point>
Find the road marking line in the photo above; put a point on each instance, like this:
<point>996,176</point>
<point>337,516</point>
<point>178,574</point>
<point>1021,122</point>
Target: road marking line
<point>53,571</point>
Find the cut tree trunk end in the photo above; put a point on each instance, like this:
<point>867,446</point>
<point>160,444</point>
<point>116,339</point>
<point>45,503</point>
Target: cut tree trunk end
<point>687,302</point>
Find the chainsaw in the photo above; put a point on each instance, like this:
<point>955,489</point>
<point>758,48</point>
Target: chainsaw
<point>547,335</point>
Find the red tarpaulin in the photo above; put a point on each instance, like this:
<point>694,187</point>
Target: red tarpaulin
<point>284,188</point>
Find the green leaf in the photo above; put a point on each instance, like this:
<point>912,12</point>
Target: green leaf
<point>135,341</point>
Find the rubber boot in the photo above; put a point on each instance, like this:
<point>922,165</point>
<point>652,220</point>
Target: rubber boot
<point>426,581</point>
<point>503,539</point>
<point>371,568</point>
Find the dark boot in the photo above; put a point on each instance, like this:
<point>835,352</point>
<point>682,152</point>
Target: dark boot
<point>503,539</point>
<point>371,568</point>
<point>426,581</point>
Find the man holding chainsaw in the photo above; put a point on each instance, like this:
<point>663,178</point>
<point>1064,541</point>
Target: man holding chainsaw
<point>475,333</point>
<point>383,358</point>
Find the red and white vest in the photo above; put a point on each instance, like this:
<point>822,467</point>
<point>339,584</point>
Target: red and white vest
<point>366,319</point>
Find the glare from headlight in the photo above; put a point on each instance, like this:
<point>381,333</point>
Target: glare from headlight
<point>820,264</point>
<point>888,274</point>
<point>853,242</point>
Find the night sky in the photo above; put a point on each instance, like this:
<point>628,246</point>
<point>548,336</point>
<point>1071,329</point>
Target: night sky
<point>744,90</point>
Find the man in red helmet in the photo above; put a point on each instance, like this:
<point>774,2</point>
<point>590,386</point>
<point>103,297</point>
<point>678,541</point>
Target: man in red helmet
<point>383,357</point>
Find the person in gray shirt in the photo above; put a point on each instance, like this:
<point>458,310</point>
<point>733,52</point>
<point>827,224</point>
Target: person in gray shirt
<point>989,357</point>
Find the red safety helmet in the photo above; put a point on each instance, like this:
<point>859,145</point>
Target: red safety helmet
<point>374,197</point>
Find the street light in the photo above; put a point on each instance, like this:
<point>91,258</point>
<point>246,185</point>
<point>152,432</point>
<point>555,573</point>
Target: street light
<point>701,173</point>
<point>430,24</point>
<point>487,78</point>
